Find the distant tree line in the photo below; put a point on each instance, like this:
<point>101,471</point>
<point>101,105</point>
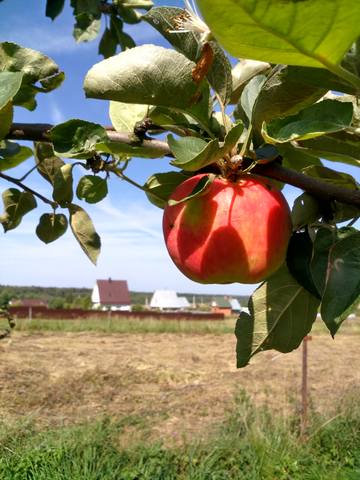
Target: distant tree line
<point>57,297</point>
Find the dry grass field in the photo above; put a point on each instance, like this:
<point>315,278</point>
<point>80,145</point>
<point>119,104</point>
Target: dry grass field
<point>170,385</point>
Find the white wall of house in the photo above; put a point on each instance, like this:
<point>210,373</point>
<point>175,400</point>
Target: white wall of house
<point>95,296</point>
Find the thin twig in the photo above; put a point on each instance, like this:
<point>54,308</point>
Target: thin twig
<point>17,182</point>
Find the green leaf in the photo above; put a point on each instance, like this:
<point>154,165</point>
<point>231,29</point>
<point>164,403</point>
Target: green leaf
<point>282,95</point>
<point>250,95</point>
<point>54,8</point>
<point>306,210</point>
<point>331,176</point>
<point>47,163</point>
<point>243,72</point>
<point>166,75</point>
<point>84,232</point>
<point>122,38</point>
<point>342,288</point>
<point>124,116</point>
<point>6,118</point>
<point>161,185</point>
<point>16,205</point>
<point>63,185</point>
<point>143,4</point>
<point>108,43</point>
<point>343,212</point>
<point>320,78</point>
<point>296,158</point>
<point>323,241</point>
<point>313,33</point>
<point>324,117</point>
<point>200,188</point>
<point>87,26</point>
<point>77,138</point>
<point>10,83</point>
<point>219,76</point>
<point>175,121</point>
<point>281,315</point>
<point>128,14</point>
<point>341,147</point>
<point>232,138</point>
<point>13,155</point>
<point>50,83</point>
<point>135,149</point>
<point>351,60</point>
<point>51,226</point>
<point>34,67</point>
<point>92,189</point>
<point>298,259</point>
<point>125,41</point>
<point>193,153</point>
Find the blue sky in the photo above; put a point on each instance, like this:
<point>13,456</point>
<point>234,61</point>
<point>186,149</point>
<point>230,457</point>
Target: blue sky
<point>130,227</point>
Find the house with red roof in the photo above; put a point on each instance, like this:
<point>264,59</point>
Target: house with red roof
<point>111,295</point>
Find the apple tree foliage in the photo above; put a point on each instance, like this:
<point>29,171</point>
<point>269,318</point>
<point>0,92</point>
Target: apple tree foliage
<point>260,84</point>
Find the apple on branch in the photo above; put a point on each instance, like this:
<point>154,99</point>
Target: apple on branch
<point>236,231</point>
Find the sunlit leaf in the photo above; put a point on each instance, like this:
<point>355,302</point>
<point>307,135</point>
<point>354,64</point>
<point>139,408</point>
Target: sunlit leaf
<point>219,75</point>
<point>323,117</point>
<point>63,185</point>
<point>281,315</point>
<point>193,153</point>
<point>166,73</point>
<point>161,185</point>
<point>13,155</point>
<point>6,118</point>
<point>341,147</point>
<point>77,138</point>
<point>124,116</point>
<point>84,232</point>
<point>10,83</point>
<point>313,33</point>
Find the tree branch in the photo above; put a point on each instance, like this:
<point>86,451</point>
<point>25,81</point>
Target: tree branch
<point>17,182</point>
<point>40,132</point>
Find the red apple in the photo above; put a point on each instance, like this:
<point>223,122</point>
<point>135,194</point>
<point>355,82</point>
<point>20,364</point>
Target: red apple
<point>233,232</point>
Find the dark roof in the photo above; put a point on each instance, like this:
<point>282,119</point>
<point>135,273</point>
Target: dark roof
<point>113,292</point>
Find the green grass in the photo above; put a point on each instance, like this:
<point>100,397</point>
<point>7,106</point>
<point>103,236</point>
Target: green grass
<point>127,325</point>
<point>252,444</point>
<point>153,325</point>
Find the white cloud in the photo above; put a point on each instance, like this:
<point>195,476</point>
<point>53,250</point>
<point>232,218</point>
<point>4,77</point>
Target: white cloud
<point>56,115</point>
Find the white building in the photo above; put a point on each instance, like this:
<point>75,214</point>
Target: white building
<point>168,300</point>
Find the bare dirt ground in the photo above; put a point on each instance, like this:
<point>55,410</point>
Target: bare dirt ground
<point>174,385</point>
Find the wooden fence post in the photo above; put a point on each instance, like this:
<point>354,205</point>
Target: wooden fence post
<point>304,386</point>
